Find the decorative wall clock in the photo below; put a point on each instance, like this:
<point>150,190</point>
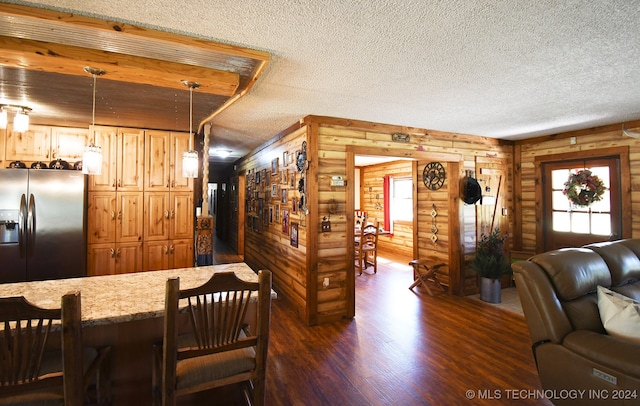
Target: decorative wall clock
<point>434,175</point>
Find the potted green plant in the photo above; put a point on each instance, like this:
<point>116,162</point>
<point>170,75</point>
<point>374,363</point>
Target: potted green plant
<point>490,263</point>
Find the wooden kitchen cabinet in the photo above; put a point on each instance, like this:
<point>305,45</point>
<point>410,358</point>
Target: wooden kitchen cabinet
<point>168,215</point>
<point>31,146</point>
<point>160,255</point>
<point>68,143</point>
<point>163,161</point>
<point>45,143</point>
<point>122,159</point>
<point>115,217</point>
<point>111,259</point>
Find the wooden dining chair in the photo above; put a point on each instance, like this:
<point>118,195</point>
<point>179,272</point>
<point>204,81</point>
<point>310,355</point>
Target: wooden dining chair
<point>366,248</point>
<point>218,347</point>
<point>42,360</point>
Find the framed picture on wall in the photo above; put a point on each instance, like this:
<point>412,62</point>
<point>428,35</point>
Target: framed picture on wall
<point>274,166</point>
<point>270,214</point>
<point>274,190</point>
<point>285,221</point>
<point>294,234</point>
<point>284,196</point>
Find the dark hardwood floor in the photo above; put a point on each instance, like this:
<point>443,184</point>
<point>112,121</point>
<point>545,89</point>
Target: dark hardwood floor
<point>402,348</point>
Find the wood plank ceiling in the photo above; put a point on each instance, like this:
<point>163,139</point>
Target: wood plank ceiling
<point>43,55</point>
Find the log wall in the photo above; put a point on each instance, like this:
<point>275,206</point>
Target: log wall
<point>332,143</point>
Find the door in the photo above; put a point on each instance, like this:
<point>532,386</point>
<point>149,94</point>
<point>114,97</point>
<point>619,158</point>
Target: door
<point>157,146</point>
<point>157,215</point>
<point>129,216</point>
<point>181,216</point>
<point>570,225</point>
<point>13,265</point>
<point>102,217</point>
<point>105,138</point>
<point>130,159</point>
<point>56,203</point>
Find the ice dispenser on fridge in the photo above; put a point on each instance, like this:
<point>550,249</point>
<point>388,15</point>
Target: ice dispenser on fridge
<point>9,226</point>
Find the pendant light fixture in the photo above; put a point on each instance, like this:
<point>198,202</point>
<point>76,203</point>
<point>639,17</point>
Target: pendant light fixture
<point>190,157</point>
<point>92,156</point>
<point>20,120</point>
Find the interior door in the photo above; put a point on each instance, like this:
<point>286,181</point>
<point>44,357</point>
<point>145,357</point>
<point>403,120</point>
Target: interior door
<point>568,225</point>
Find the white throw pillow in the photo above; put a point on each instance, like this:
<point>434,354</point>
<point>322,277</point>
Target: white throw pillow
<point>620,315</point>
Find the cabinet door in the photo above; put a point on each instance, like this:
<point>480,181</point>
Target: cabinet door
<point>156,255</point>
<point>157,175</point>
<point>30,146</point>
<point>179,145</point>
<point>129,257</point>
<point>181,216</point>
<point>181,253</point>
<point>157,215</point>
<point>101,259</point>
<point>68,143</point>
<point>130,215</point>
<point>130,162</point>
<point>105,138</point>
<point>101,217</point>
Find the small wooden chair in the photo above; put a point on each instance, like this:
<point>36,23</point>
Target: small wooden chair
<point>219,348</point>
<point>423,274</point>
<point>34,369</point>
<point>366,248</point>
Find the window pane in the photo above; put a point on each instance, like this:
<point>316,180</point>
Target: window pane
<point>561,221</point>
<point>402,204</point>
<point>403,188</point>
<point>604,204</point>
<point>560,201</point>
<point>403,210</point>
<point>558,177</point>
<point>580,223</point>
<point>601,224</point>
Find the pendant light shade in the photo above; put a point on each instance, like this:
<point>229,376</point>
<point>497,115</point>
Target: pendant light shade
<point>92,156</point>
<point>190,164</point>
<point>20,120</point>
<point>190,158</point>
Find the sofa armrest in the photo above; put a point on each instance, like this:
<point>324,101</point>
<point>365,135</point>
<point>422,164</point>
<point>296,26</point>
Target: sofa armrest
<point>613,352</point>
<point>543,311</point>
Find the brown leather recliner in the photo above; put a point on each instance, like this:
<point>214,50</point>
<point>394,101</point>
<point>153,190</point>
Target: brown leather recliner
<point>570,345</point>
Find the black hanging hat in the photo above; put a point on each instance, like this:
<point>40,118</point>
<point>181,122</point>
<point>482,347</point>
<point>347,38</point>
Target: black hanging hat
<point>472,191</point>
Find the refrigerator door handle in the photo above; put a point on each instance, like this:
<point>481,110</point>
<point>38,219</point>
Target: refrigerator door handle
<point>31,225</point>
<point>22,225</point>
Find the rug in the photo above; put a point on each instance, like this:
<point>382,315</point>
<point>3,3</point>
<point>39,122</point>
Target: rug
<point>510,301</point>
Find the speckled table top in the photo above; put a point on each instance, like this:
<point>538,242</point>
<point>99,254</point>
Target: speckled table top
<point>120,298</point>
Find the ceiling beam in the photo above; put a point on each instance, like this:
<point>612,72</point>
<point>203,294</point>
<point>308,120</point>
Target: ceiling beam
<point>70,60</point>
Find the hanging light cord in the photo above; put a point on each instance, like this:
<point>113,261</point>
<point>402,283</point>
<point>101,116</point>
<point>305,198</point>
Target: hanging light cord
<point>93,114</point>
<point>190,115</point>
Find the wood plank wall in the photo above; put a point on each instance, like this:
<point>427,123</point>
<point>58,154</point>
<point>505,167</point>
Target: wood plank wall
<point>589,141</point>
<point>299,272</point>
<point>266,244</point>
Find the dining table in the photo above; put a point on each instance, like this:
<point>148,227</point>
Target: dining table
<point>125,312</point>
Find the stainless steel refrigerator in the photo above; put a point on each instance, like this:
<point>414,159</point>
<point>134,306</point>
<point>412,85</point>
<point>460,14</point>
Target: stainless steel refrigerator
<point>42,224</point>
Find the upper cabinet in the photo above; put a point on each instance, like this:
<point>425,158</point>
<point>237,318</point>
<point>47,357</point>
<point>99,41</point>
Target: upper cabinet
<point>68,143</point>
<point>122,159</point>
<point>46,143</point>
<point>163,161</point>
<point>33,145</point>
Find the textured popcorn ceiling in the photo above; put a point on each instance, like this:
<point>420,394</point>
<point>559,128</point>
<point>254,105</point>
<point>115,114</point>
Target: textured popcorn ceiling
<point>504,69</point>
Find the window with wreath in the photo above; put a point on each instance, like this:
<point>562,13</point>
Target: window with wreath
<point>581,200</point>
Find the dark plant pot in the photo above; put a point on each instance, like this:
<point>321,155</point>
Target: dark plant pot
<point>490,290</point>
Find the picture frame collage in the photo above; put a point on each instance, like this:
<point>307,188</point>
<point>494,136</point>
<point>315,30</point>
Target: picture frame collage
<point>273,197</point>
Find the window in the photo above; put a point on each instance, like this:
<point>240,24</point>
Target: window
<point>595,219</point>
<point>402,199</point>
